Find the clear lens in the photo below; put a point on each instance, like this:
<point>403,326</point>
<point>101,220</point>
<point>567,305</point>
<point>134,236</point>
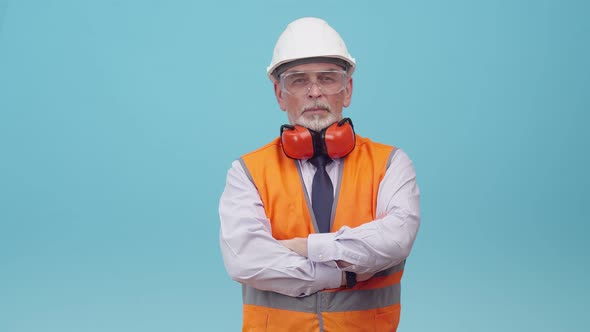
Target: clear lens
<point>299,83</point>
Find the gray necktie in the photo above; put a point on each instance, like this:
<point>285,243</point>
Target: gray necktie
<point>322,193</point>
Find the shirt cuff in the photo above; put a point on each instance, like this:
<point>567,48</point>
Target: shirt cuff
<point>328,277</point>
<point>321,247</point>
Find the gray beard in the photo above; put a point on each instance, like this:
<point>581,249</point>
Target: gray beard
<point>317,122</point>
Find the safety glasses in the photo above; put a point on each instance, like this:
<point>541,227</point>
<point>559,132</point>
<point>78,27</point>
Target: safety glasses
<point>299,83</point>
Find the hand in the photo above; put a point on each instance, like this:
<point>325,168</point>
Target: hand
<point>298,245</point>
<point>364,276</point>
<point>342,264</point>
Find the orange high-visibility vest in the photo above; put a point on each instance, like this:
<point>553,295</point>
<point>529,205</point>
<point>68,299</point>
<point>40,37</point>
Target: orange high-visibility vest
<point>373,305</point>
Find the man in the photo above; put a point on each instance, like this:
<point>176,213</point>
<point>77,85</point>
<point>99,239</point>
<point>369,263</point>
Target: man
<point>317,224</point>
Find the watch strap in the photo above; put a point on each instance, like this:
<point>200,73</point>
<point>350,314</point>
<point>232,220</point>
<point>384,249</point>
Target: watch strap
<point>350,279</point>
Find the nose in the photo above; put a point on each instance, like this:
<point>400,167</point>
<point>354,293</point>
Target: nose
<point>314,91</point>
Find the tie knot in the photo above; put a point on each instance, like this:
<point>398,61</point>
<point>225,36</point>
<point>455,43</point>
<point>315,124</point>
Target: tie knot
<point>320,160</point>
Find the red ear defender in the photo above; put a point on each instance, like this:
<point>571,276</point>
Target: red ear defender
<point>336,141</point>
<point>339,139</point>
<point>297,142</point>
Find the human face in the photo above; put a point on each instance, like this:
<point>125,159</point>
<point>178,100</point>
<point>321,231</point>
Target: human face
<point>314,110</point>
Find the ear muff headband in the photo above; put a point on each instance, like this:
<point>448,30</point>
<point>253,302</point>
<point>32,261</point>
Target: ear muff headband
<point>337,141</point>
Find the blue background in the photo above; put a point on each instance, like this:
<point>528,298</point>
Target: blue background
<point>119,120</point>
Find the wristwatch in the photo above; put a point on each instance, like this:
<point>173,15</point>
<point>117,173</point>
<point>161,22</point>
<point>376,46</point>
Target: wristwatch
<point>350,279</point>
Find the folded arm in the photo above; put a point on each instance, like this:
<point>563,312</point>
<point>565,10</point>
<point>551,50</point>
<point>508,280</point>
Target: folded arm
<point>385,241</point>
<point>250,253</point>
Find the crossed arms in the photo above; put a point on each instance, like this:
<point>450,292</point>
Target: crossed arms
<point>303,266</point>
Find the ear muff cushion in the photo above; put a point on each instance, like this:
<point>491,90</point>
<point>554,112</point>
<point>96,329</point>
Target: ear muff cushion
<point>339,140</point>
<point>297,143</point>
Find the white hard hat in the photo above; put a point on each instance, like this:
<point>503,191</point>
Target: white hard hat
<point>309,37</point>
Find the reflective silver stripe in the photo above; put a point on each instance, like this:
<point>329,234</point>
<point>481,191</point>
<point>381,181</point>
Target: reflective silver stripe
<point>337,196</point>
<point>390,157</point>
<point>360,299</point>
<point>319,313</point>
<point>247,171</point>
<point>278,301</point>
<point>325,301</point>
<point>309,209</point>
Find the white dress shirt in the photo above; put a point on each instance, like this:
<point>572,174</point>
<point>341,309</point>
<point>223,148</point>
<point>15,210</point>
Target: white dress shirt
<point>253,257</point>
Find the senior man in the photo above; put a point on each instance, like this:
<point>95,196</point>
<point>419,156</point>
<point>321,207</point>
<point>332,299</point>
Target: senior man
<point>317,224</point>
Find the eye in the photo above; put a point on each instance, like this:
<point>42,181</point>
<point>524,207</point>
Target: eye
<point>298,81</point>
<point>328,79</point>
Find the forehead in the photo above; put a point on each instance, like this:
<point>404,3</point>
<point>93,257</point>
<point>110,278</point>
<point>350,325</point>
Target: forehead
<point>314,66</point>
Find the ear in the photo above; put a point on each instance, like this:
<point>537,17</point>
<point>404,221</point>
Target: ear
<point>279,94</point>
<point>347,93</point>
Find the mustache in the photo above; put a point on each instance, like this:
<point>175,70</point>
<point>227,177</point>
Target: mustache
<point>316,105</point>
